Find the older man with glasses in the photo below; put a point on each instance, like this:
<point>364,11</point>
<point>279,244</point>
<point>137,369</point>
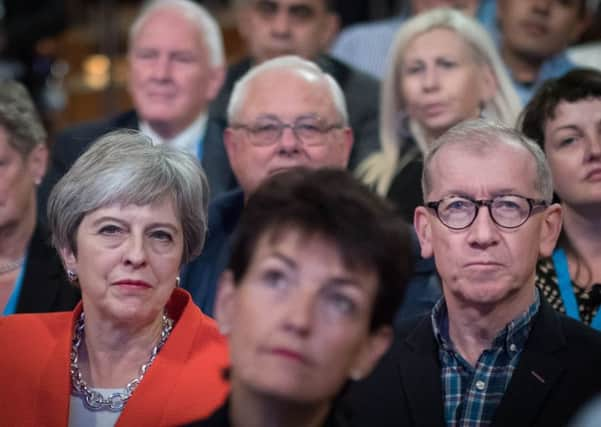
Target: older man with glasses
<point>283,113</point>
<point>492,351</point>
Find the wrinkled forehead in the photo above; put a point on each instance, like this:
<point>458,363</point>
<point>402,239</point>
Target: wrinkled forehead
<point>482,170</point>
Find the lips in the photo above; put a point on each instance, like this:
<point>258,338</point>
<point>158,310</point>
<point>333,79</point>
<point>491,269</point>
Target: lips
<point>130,283</point>
<point>290,354</point>
<point>433,109</point>
<point>535,28</point>
<point>593,175</point>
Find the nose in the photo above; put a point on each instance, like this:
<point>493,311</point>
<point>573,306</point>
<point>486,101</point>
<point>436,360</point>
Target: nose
<point>299,312</point>
<point>289,142</point>
<point>430,79</point>
<point>161,69</point>
<point>483,232</point>
<point>280,24</point>
<point>594,147</point>
<point>134,251</point>
<point>541,6</point>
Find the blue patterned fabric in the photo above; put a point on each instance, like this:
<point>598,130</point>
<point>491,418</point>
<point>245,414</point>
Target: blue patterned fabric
<point>472,393</point>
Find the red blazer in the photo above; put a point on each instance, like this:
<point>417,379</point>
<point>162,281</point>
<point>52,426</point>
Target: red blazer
<point>184,383</point>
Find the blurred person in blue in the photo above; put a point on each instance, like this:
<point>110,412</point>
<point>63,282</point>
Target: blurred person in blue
<point>564,118</point>
<point>534,36</point>
<point>368,46</point>
<point>31,275</point>
<point>176,67</point>
<point>318,268</point>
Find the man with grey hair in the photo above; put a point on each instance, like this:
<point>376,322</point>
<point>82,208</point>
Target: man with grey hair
<point>492,352</point>
<point>272,28</point>
<point>283,113</point>
<point>176,67</point>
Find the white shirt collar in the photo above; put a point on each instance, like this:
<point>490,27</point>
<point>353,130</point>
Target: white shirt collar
<point>187,140</point>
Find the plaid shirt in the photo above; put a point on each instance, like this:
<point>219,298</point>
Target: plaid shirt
<point>472,394</point>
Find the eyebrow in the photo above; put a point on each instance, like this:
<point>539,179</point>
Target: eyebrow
<point>122,222</point>
<point>334,281</point>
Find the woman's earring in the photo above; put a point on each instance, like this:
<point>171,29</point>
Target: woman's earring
<point>72,276</point>
<point>177,282</point>
<point>356,375</point>
<point>223,329</point>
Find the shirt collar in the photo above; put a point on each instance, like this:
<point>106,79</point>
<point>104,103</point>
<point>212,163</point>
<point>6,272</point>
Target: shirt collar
<point>513,336</point>
<point>187,140</point>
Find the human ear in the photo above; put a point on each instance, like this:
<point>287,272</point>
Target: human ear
<point>550,229</point>
<point>225,302</point>
<point>487,83</point>
<point>421,223</point>
<point>37,162</point>
<point>371,351</point>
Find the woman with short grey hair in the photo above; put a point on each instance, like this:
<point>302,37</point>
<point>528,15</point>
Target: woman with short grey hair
<point>31,277</point>
<point>136,350</point>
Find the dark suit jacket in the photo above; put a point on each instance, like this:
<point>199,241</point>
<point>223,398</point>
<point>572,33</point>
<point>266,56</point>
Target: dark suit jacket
<point>45,287</point>
<point>406,390</point>
<point>71,143</point>
<point>360,90</point>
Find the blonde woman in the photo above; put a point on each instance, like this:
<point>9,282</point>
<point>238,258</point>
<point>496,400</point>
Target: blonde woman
<point>444,69</point>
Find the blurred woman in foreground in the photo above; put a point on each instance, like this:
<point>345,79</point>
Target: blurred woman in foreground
<point>136,351</point>
<point>564,118</point>
<point>316,274</point>
<point>444,69</point>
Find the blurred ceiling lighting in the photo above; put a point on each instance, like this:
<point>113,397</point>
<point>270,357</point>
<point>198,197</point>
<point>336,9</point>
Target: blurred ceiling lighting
<point>96,71</point>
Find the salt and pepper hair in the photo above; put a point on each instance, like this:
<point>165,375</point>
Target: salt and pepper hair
<point>294,65</point>
<point>379,169</point>
<point>124,167</point>
<point>19,118</point>
<point>482,136</point>
<point>209,31</point>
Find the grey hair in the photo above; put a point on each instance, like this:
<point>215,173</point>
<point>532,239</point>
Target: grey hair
<point>125,167</point>
<point>19,118</point>
<point>480,135</point>
<point>379,169</point>
<point>293,64</point>
<point>208,28</point>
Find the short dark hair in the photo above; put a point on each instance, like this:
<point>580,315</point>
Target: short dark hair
<point>332,204</point>
<point>576,85</point>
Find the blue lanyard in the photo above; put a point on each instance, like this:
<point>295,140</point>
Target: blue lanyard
<point>566,289</point>
<point>200,147</point>
<point>11,304</point>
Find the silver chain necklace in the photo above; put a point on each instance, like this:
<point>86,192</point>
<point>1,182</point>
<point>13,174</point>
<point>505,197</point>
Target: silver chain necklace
<point>8,267</point>
<point>116,401</point>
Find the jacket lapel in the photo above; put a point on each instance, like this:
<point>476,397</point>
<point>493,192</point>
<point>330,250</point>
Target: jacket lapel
<point>536,373</point>
<point>420,376</point>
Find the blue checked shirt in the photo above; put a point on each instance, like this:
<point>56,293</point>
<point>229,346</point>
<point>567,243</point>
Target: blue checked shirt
<point>472,394</point>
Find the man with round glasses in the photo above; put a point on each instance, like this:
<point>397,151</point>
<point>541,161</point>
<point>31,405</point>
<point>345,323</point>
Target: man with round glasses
<point>492,352</point>
<point>283,113</point>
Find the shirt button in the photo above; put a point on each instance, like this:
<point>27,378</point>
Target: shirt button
<point>480,385</point>
<point>513,347</point>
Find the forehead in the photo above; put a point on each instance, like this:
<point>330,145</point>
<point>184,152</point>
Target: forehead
<point>170,29</point>
<point>287,94</point>
<point>423,5</point>
<point>482,171</point>
<point>586,110</point>
<point>437,41</point>
<point>316,5</point>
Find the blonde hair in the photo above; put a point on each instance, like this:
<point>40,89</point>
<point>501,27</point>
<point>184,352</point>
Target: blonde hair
<point>379,169</point>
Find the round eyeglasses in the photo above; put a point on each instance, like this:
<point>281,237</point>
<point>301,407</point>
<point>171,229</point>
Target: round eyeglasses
<point>507,211</point>
<point>309,130</point>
